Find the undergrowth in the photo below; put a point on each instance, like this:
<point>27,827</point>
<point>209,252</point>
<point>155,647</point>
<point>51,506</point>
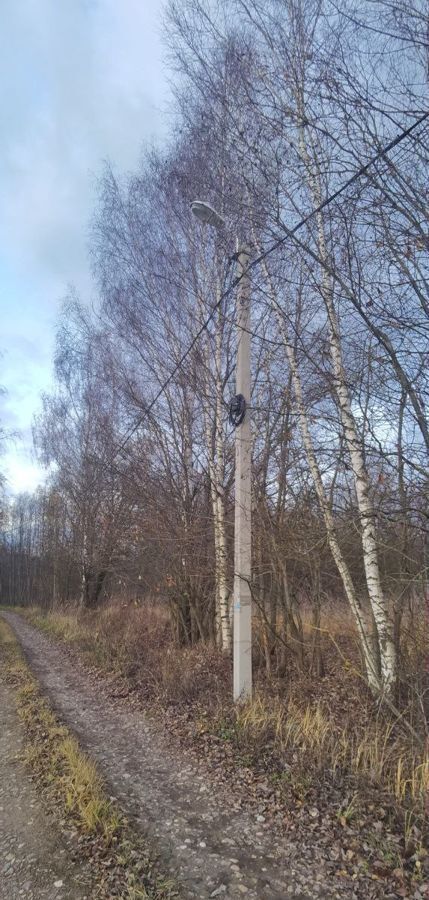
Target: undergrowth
<point>70,781</point>
<point>301,731</point>
<point>302,746</point>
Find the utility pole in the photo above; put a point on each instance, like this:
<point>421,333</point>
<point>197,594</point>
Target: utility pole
<point>240,417</point>
<point>242,655</point>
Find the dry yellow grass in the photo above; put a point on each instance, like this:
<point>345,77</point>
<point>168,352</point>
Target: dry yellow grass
<point>373,748</point>
<point>377,753</point>
<point>59,755</point>
<point>60,764</point>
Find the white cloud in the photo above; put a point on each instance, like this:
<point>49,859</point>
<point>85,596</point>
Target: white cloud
<point>80,81</point>
<point>21,473</point>
<point>84,82</point>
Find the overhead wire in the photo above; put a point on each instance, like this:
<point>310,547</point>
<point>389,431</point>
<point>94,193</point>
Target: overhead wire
<point>381,153</point>
<point>289,232</point>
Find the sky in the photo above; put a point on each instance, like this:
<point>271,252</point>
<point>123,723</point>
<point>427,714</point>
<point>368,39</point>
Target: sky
<point>81,81</point>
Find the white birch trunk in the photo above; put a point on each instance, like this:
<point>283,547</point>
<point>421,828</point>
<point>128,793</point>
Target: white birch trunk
<point>370,657</point>
<point>210,457</point>
<point>220,497</point>
<point>215,457</point>
<point>84,568</point>
<point>366,510</point>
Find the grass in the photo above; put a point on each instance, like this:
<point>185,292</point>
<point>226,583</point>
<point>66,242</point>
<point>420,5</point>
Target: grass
<point>374,753</point>
<point>303,732</point>
<point>70,781</point>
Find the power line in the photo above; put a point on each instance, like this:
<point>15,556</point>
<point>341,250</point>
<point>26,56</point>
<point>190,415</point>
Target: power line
<point>362,171</point>
<point>402,135</point>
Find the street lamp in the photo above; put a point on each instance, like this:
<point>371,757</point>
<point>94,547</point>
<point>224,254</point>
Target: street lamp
<point>240,418</point>
<point>206,214</point>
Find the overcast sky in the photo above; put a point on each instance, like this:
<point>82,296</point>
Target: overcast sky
<point>81,81</point>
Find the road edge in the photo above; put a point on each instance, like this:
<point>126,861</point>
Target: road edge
<point>74,792</point>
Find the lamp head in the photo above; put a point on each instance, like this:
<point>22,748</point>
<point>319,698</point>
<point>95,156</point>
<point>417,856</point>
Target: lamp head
<point>206,214</point>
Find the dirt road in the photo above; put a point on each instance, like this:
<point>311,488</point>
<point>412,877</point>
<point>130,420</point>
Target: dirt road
<point>214,849</point>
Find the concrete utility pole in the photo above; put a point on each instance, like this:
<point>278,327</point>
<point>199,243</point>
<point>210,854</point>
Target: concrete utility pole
<point>243,496</point>
<point>242,648</point>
